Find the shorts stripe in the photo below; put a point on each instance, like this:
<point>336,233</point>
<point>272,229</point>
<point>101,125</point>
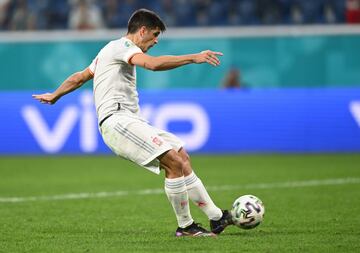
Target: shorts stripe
<point>127,131</point>
<point>135,139</point>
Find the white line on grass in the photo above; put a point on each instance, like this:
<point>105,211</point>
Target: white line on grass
<point>88,195</point>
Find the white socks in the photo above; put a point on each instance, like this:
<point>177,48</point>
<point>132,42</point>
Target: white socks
<point>179,190</point>
<point>177,194</point>
<point>199,195</point>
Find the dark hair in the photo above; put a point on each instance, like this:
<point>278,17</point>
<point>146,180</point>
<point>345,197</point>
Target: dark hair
<point>147,18</point>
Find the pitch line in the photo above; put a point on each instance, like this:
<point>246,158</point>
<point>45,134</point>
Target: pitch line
<point>89,195</point>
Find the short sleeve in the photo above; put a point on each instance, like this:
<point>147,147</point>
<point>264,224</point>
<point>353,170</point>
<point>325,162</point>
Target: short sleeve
<point>128,49</point>
<point>131,52</point>
<point>92,66</point>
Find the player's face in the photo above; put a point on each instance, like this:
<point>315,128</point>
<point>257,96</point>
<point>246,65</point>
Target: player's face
<point>150,38</point>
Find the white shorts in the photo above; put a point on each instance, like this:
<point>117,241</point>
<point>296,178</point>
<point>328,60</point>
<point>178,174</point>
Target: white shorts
<point>135,140</point>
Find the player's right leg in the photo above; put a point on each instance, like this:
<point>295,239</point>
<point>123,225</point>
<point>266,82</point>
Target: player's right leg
<point>177,194</point>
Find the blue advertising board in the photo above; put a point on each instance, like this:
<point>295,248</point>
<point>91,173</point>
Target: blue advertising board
<point>209,121</point>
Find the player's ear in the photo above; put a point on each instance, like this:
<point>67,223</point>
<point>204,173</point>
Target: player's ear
<point>142,31</point>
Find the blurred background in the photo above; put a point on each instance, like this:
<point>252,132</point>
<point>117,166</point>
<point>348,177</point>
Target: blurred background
<point>279,119</point>
<point>96,14</point>
<point>289,80</point>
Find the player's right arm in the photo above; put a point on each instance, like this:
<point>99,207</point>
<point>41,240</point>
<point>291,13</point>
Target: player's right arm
<point>73,82</point>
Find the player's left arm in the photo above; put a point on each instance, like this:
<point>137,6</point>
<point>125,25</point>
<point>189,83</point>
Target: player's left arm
<point>73,82</point>
<point>167,62</point>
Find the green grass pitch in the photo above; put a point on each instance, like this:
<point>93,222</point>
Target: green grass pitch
<point>106,204</point>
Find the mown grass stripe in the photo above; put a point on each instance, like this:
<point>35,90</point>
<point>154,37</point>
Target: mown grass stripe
<point>88,195</point>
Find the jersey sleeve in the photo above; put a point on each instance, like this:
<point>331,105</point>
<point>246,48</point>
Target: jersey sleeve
<point>130,53</point>
<point>125,49</point>
<point>92,66</point>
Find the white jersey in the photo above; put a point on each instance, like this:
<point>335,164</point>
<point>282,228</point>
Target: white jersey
<point>115,79</point>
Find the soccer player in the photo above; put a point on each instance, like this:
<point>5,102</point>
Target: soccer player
<point>128,134</point>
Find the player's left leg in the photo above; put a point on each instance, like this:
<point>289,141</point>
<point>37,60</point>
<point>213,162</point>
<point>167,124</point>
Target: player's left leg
<point>177,194</point>
<point>196,190</point>
<point>198,194</point>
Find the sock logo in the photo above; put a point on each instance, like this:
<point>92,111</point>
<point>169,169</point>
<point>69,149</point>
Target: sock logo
<point>183,203</point>
<point>201,204</point>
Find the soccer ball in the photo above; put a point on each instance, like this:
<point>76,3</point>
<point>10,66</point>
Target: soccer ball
<point>247,211</point>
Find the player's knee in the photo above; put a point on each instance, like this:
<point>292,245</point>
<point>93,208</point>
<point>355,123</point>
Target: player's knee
<point>172,163</point>
<point>184,156</point>
<point>176,164</point>
<point>186,162</point>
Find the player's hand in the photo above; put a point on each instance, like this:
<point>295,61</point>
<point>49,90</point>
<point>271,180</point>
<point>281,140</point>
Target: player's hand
<point>209,57</point>
<point>46,98</point>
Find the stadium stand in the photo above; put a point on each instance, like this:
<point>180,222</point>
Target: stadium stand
<point>62,14</point>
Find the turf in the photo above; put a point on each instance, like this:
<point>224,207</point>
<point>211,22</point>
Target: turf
<point>300,217</point>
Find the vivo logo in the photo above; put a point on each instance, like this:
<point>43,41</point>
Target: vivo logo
<point>52,139</point>
<point>193,113</point>
<point>355,111</point>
